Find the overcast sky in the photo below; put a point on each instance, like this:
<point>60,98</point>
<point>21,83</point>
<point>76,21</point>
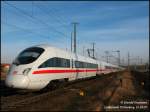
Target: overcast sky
<point>120,25</point>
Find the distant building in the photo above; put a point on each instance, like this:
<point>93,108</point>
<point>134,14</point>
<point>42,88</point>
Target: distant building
<point>5,67</point>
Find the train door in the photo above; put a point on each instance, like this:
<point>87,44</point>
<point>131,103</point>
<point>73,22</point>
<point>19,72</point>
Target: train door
<point>76,65</point>
<point>82,71</point>
<point>99,68</point>
<point>85,68</point>
<point>72,68</point>
<point>102,68</point>
<point>73,63</point>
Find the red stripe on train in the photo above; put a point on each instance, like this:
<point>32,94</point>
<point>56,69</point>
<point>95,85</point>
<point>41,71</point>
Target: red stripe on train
<point>62,71</point>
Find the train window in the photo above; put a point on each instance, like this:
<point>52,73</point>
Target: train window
<point>72,63</point>
<point>68,63</point>
<point>79,64</point>
<point>45,64</point>
<point>91,65</point>
<point>56,62</point>
<point>95,65</point>
<point>108,67</point>
<point>64,62</point>
<point>28,55</point>
<point>84,65</point>
<point>88,66</point>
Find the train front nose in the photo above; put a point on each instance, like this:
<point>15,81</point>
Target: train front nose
<point>17,81</point>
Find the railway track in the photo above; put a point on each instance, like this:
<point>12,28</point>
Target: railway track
<point>18,100</point>
<point>26,100</point>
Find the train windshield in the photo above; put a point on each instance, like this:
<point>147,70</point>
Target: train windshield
<point>29,55</point>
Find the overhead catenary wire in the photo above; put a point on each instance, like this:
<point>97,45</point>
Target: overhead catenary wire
<point>27,30</point>
<point>33,17</point>
<point>46,11</point>
<point>27,17</point>
<point>32,7</point>
<point>23,29</point>
<point>61,18</point>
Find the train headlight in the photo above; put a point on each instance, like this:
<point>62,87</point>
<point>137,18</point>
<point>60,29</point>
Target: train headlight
<point>26,71</point>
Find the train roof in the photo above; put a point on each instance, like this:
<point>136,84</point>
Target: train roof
<point>46,46</point>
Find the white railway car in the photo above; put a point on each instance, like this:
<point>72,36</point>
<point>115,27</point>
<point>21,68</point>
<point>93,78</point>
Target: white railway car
<point>36,67</point>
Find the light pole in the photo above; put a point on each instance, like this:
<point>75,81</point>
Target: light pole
<point>118,51</point>
<point>74,25</point>
<point>107,52</point>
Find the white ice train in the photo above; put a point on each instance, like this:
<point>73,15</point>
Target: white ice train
<point>37,67</point>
